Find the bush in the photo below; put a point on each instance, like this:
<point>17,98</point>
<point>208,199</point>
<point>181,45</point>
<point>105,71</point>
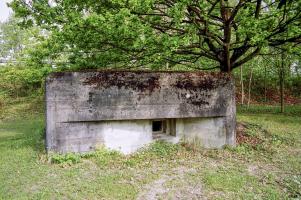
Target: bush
<point>68,159</point>
<point>21,81</point>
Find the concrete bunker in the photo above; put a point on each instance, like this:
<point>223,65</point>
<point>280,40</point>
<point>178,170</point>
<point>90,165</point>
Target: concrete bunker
<point>126,110</point>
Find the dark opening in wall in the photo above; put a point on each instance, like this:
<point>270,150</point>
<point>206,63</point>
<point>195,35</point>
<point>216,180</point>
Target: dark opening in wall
<point>164,129</point>
<point>157,126</point>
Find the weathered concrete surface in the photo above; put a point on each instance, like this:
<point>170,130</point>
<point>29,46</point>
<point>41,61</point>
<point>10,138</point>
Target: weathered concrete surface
<point>125,136</point>
<point>84,109</point>
<point>207,132</point>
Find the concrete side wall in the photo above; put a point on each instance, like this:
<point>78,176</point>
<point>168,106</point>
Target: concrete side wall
<point>124,136</point>
<point>129,136</point>
<point>207,132</point>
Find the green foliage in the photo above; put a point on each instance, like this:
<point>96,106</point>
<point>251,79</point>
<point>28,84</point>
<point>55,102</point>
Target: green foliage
<point>21,81</point>
<point>163,149</point>
<point>65,159</point>
<point>14,40</point>
<point>155,33</point>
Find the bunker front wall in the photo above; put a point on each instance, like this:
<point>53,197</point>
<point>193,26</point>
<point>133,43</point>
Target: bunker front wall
<point>115,109</point>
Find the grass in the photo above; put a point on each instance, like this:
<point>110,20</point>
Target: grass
<point>269,169</point>
<point>19,107</point>
<point>294,110</point>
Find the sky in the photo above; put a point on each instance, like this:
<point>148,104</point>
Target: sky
<point>4,10</point>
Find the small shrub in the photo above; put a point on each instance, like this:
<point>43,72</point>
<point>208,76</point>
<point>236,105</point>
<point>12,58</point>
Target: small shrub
<point>161,148</point>
<point>65,159</point>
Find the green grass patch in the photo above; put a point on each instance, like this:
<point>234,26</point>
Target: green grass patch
<point>294,110</point>
<point>21,107</point>
<point>235,183</point>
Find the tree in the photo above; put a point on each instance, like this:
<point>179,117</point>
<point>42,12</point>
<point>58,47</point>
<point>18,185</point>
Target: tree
<point>222,34</point>
<point>14,40</point>
<point>11,39</point>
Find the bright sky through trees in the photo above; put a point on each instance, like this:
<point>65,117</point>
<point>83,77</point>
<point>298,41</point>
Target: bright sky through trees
<point>4,10</point>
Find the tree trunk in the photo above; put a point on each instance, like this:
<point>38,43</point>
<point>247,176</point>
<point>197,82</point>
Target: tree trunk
<point>281,81</point>
<point>223,67</point>
<point>265,84</point>
<point>242,86</point>
<point>250,83</point>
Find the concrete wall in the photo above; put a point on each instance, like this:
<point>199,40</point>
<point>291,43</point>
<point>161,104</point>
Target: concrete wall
<point>207,132</point>
<point>86,109</point>
<point>124,136</point>
<point>129,136</point>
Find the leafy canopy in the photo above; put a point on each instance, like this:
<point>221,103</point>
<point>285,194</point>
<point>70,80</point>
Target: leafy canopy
<point>156,33</point>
